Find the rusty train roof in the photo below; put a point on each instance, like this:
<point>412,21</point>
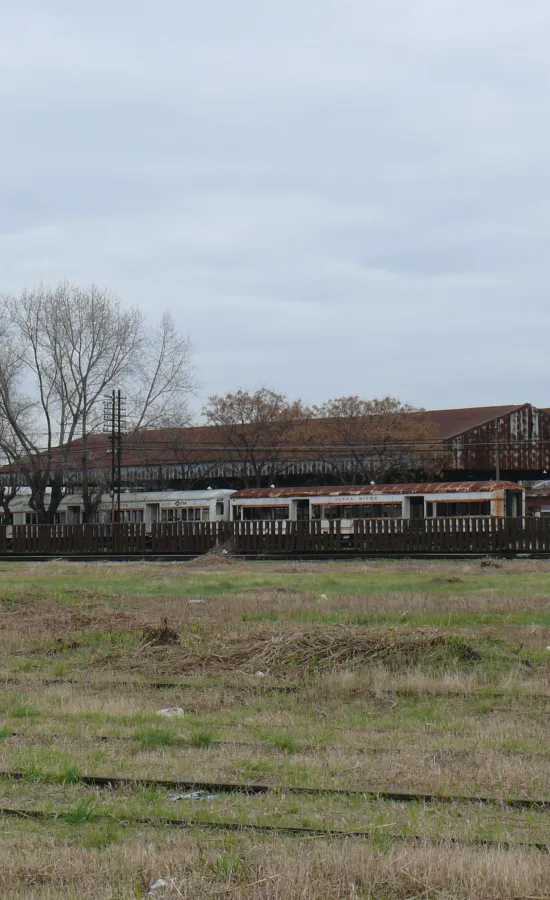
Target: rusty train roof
<point>351,490</point>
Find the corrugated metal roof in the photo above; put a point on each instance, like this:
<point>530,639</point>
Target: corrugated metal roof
<point>204,443</point>
<point>452,422</point>
<point>352,490</point>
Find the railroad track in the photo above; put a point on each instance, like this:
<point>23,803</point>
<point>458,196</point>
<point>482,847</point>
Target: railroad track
<point>283,830</point>
<point>254,788</point>
<point>349,555</point>
<point>305,749</point>
<point>262,688</point>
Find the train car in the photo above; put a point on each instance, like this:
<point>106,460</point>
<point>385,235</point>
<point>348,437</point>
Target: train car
<point>148,507</point>
<point>316,504</point>
<point>403,501</point>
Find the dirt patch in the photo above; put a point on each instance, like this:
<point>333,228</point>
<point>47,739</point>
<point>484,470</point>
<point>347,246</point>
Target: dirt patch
<point>275,591</point>
<point>212,561</point>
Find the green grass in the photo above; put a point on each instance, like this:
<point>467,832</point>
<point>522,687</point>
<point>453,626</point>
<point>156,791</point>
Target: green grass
<point>334,730</point>
<point>23,712</point>
<point>82,812</point>
<point>379,577</point>
<point>284,742</point>
<point>154,737</point>
<point>418,620</point>
<point>202,738</point>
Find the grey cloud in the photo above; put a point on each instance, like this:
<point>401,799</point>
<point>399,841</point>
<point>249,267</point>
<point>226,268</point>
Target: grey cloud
<point>330,195</point>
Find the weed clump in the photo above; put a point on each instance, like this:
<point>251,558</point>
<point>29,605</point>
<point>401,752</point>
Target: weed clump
<point>160,636</point>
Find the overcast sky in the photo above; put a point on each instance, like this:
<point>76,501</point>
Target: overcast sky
<point>331,196</point>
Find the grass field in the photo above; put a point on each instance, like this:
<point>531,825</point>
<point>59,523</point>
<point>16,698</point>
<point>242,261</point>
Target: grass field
<point>344,730</point>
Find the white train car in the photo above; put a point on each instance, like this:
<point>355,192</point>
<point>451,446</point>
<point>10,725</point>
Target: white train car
<point>148,507</point>
<point>404,501</point>
<point>316,504</point>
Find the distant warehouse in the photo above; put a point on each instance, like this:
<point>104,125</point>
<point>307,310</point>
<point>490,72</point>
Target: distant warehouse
<point>476,444</point>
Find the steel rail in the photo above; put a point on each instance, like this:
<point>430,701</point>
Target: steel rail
<point>289,689</point>
<point>344,555</point>
<point>178,740</point>
<point>294,830</point>
<point>253,788</point>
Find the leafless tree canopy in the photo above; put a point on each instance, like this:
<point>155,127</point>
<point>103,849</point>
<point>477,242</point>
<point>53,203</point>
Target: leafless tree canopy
<point>62,349</point>
<point>256,430</point>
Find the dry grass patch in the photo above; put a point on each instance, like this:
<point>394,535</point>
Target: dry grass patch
<point>99,863</point>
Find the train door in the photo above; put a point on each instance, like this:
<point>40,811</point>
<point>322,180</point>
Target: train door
<point>302,510</point>
<point>73,515</point>
<point>514,503</point>
<point>152,515</point>
<point>416,507</point>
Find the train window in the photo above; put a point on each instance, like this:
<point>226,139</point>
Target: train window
<point>219,507</point>
<point>465,508</point>
<point>130,515</point>
<point>30,518</point>
<point>446,509</point>
<point>205,514</point>
<point>346,512</point>
<point>260,513</point>
<point>280,512</point>
<point>315,512</point>
<point>391,510</point>
<point>429,508</point>
<point>331,512</point>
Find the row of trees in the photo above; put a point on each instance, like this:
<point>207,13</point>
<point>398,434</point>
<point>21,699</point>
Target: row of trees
<point>63,349</point>
<point>358,441</point>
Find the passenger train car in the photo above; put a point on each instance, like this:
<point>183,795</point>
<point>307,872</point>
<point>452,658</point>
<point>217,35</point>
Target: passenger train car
<point>403,501</point>
<point>147,507</point>
<point>315,504</point>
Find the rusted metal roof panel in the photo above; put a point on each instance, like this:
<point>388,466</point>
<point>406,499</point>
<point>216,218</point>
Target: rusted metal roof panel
<point>348,490</point>
<point>452,422</point>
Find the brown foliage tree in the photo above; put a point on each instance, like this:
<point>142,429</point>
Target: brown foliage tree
<point>256,431</point>
<point>378,441</point>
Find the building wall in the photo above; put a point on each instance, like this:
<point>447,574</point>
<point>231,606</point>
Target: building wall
<point>521,440</point>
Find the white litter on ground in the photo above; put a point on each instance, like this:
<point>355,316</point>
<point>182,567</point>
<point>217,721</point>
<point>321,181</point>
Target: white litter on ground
<point>171,712</point>
<point>192,795</point>
<point>159,883</point>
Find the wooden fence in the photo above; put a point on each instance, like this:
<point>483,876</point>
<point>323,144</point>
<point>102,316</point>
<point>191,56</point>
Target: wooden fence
<point>477,535</point>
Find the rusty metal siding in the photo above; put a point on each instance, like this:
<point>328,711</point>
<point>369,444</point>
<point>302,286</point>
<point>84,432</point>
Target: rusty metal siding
<point>521,439</point>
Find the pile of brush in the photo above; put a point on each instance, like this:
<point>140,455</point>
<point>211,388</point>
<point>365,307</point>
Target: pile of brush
<point>323,648</point>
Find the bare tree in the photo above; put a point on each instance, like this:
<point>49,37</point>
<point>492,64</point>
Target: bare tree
<point>186,454</point>
<point>10,476</point>
<point>374,440</point>
<point>63,349</point>
<point>256,431</point>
